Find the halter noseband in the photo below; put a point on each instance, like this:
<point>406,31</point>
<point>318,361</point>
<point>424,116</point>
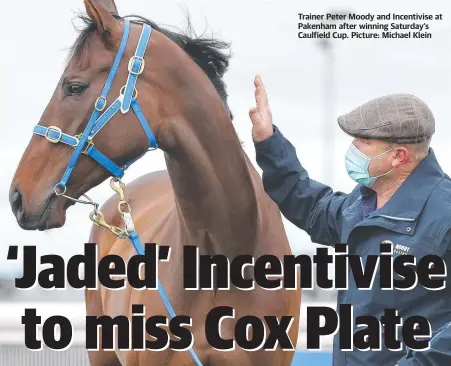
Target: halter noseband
<point>83,144</point>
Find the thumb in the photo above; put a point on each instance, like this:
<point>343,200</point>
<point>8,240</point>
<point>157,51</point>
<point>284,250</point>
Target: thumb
<point>255,116</point>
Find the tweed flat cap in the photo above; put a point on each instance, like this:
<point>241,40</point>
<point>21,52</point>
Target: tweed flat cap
<point>398,118</point>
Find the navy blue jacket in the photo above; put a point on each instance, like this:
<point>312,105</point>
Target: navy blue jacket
<point>439,353</point>
<point>417,218</point>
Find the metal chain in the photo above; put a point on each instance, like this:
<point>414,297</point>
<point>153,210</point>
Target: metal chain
<point>87,201</point>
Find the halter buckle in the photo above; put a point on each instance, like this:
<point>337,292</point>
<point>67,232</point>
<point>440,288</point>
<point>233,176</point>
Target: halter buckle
<point>99,100</point>
<point>89,143</point>
<point>54,129</point>
<point>135,92</point>
<point>132,64</point>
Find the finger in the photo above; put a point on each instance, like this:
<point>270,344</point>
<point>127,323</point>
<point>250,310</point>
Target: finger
<point>260,92</point>
<point>264,94</point>
<point>260,81</point>
<point>262,102</point>
<point>257,81</point>
<point>259,84</point>
<point>255,116</point>
<point>258,97</point>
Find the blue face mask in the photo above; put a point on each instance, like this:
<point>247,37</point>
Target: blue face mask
<point>358,164</point>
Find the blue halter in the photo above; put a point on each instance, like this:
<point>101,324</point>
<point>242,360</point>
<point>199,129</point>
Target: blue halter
<point>83,143</point>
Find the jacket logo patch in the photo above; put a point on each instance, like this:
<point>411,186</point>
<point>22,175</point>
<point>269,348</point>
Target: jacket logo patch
<point>401,249</point>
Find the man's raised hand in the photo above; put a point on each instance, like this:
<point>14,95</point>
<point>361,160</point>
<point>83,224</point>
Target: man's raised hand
<point>261,114</point>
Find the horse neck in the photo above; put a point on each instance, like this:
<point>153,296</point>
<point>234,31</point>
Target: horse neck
<point>215,195</point>
<point>212,178</point>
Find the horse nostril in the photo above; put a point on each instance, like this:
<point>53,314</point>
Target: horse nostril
<point>16,201</point>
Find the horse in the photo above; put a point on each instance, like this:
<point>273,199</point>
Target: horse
<point>210,196</point>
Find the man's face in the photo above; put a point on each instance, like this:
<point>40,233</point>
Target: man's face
<point>372,148</point>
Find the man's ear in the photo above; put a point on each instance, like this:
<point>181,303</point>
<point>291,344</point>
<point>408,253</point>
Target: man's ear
<point>102,13</point>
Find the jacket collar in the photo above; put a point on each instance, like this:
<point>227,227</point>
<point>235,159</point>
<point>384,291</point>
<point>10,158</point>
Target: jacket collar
<point>408,201</point>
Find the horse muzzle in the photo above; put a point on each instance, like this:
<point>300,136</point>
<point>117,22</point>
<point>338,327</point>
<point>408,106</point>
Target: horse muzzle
<point>49,215</point>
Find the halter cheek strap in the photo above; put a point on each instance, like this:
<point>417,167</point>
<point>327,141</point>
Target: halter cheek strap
<point>98,108</point>
<point>135,68</point>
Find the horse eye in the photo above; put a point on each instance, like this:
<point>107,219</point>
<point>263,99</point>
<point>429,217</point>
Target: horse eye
<point>75,89</point>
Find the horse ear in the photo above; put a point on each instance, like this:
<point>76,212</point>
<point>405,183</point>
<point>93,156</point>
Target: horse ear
<point>110,5</point>
<point>102,13</point>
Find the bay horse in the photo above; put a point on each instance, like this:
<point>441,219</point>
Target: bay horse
<point>211,196</point>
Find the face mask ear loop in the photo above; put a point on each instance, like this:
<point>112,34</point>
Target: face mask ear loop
<point>382,153</point>
<point>384,173</point>
<point>374,157</point>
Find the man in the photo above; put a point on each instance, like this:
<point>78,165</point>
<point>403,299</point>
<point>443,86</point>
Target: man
<point>402,196</point>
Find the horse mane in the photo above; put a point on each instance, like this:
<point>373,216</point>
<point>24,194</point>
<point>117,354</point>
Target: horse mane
<point>207,52</point>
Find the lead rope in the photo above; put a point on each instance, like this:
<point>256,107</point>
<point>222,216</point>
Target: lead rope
<point>129,232</point>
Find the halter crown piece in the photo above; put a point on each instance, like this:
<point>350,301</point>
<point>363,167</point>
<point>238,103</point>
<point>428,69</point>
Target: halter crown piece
<point>83,144</point>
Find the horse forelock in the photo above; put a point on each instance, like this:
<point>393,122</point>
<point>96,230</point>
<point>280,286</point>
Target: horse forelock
<point>207,52</point>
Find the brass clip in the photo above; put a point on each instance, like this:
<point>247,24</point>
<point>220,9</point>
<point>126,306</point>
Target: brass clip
<point>127,207</point>
<point>99,220</point>
<point>118,188</point>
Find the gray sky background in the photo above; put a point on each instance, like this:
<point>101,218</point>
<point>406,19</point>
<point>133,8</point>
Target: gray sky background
<point>35,37</point>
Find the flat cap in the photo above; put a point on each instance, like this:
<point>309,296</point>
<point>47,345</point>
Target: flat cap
<point>398,118</point>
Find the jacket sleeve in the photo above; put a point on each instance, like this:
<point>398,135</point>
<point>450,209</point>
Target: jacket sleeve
<point>308,204</point>
<point>438,354</point>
